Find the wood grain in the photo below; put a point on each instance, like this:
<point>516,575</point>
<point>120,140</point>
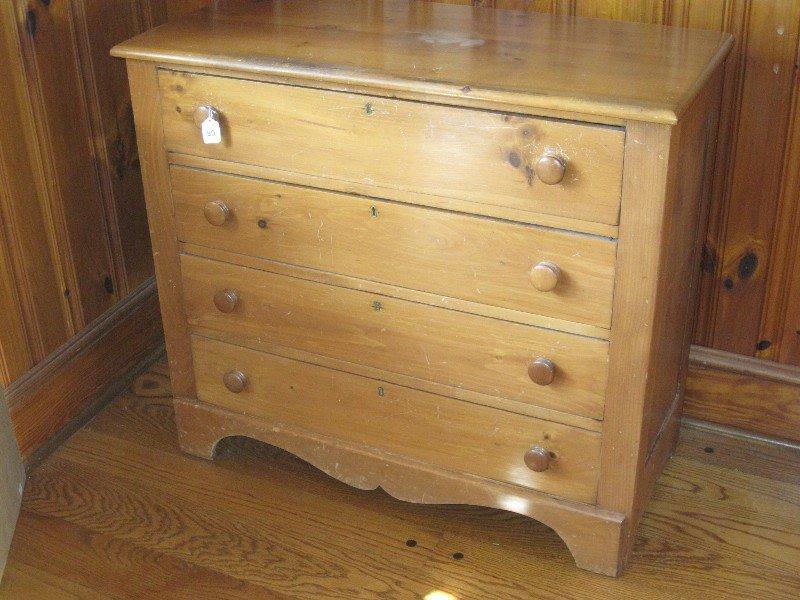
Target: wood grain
<point>73,382</point>
<point>438,252</point>
<point>734,449</point>
<point>15,354</point>
<point>440,431</point>
<point>759,152</point>
<point>633,344</point>
<point>511,54</point>
<point>657,280</point>
<point>760,305</point>
<point>326,132</point>
<point>403,150</point>
<point>36,314</point>
<point>421,298</point>
<point>780,323</point>
<point>395,291</point>
<point>365,189</point>
<point>121,510</point>
<point>745,397</point>
<point>455,349</point>
<point>76,210</point>
<point>63,264</point>
<point>99,25</point>
<point>155,175</point>
<point>591,534</point>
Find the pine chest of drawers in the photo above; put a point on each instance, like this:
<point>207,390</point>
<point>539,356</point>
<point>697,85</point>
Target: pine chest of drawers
<point>446,251</point>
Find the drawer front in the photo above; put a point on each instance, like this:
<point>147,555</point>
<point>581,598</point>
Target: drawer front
<point>452,348</point>
<point>429,428</point>
<point>482,260</point>
<point>400,148</point>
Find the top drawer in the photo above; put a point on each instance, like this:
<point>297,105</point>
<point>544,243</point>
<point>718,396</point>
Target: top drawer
<point>424,153</point>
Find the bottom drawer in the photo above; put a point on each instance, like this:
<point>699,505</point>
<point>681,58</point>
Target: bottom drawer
<point>436,430</point>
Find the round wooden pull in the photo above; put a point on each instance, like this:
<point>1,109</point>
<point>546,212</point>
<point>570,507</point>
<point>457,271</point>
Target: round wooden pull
<point>226,300</point>
<point>544,276</point>
<point>538,459</point>
<point>235,381</point>
<point>217,212</point>
<point>550,169</point>
<point>201,113</point>
<point>542,371</point>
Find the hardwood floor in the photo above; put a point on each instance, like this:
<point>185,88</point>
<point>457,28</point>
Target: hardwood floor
<point>120,512</point>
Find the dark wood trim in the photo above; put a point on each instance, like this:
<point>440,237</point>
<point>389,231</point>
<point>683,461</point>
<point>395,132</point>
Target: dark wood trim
<point>751,438</point>
<point>710,358</point>
<point>54,398</point>
<point>747,394</point>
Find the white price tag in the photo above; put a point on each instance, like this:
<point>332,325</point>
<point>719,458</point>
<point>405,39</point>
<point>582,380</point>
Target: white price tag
<point>212,132</point>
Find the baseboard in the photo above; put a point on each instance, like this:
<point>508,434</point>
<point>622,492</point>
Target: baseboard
<point>743,393</point>
<point>62,392</point>
<point>748,438</point>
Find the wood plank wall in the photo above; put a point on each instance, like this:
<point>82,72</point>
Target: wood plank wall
<point>74,240</point>
<point>78,306</point>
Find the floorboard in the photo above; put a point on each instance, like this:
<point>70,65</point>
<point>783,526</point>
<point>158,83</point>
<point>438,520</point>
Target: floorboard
<point>120,512</point>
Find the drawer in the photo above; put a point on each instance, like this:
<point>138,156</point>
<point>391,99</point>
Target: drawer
<point>429,343</point>
<point>429,428</point>
<point>425,153</point>
<point>461,256</point>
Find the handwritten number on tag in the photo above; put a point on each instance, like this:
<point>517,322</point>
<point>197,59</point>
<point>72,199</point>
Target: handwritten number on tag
<point>212,132</point>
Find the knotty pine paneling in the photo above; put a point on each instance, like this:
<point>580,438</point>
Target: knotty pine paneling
<point>644,11</point>
<point>74,239</point>
<point>746,202</point>
<point>781,321</point>
<point>78,309</point>
<point>16,357</point>
<point>100,24</point>
<point>171,9</point>
<point>76,209</point>
<point>34,315</point>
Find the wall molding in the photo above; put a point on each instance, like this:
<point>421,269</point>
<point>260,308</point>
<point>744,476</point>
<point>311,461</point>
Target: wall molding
<point>61,393</point>
<point>744,393</point>
<point>739,434</point>
<point>710,358</point>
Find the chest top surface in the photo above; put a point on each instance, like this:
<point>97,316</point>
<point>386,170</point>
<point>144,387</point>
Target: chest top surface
<point>590,66</point>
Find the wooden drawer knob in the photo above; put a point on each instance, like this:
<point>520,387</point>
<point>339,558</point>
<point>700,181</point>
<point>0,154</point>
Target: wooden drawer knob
<point>217,212</point>
<point>542,371</point>
<point>226,300</point>
<point>544,276</point>
<point>538,459</point>
<point>550,169</point>
<point>235,381</point>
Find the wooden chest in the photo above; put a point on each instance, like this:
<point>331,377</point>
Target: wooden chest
<point>450,252</point>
